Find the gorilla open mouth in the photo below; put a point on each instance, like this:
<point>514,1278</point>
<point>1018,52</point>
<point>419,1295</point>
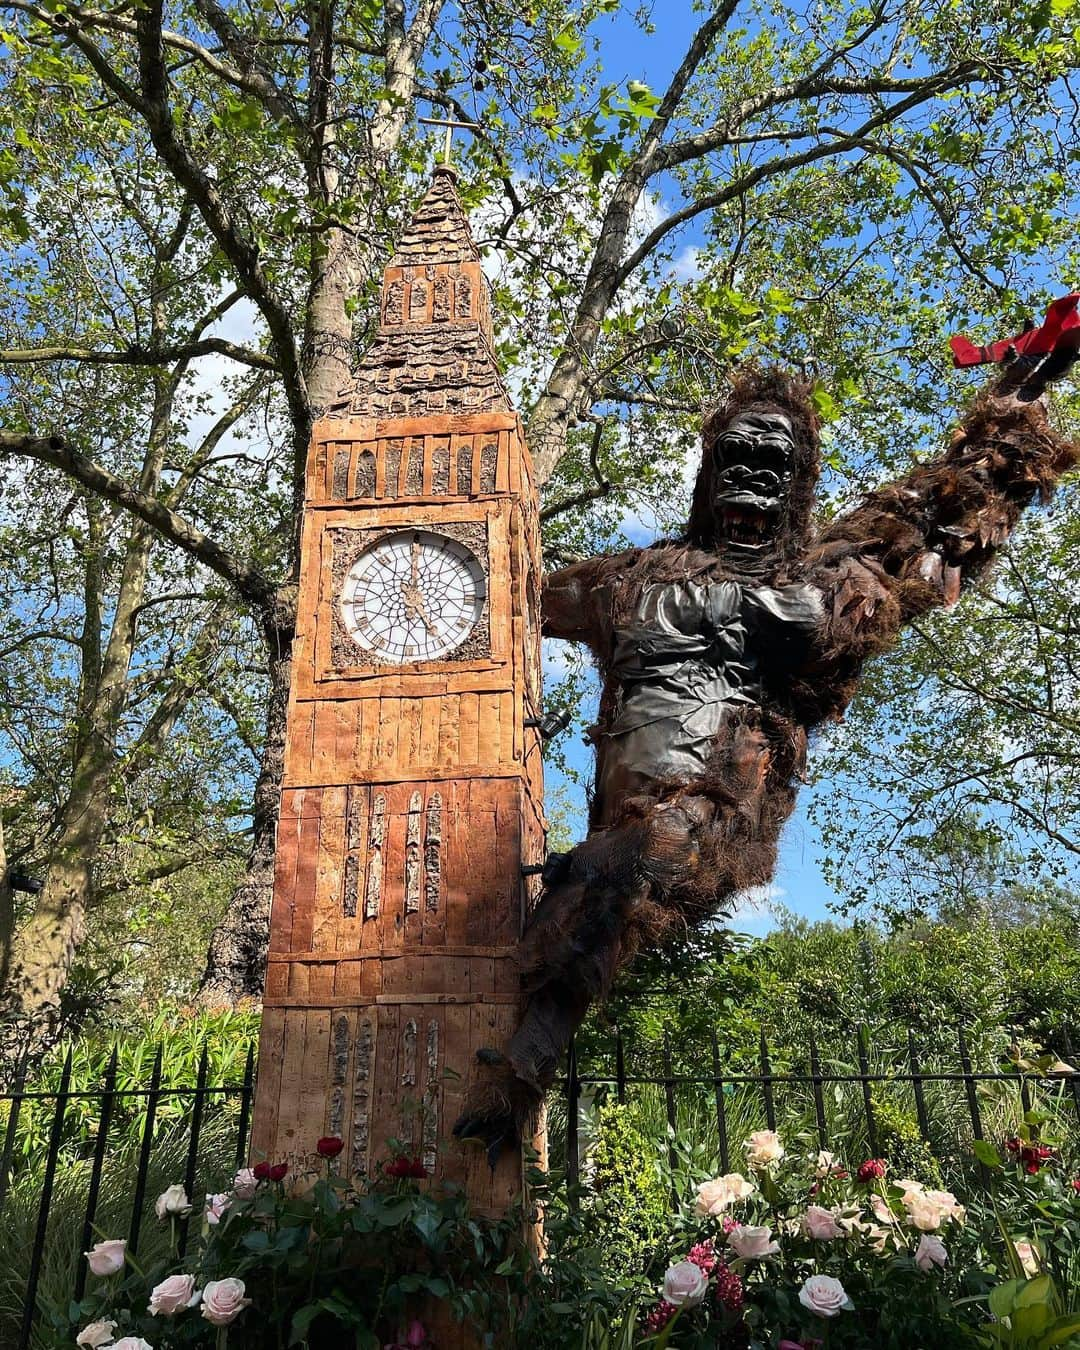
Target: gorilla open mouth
<point>748,526</point>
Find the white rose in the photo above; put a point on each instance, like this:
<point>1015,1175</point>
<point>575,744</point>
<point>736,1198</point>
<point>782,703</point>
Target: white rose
<point>824,1295</point>
<point>223,1301</point>
<point>1029,1258</point>
<point>721,1193</point>
<point>763,1147</point>
<point>173,1295</point>
<point>96,1334</point>
<point>909,1188</point>
<point>106,1258</point>
<point>131,1343</point>
<point>826,1162</point>
<point>752,1244</point>
<point>947,1204</point>
<point>929,1253</point>
<point>821,1225</point>
<point>245,1184</point>
<point>685,1285</point>
<point>216,1205</point>
<point>173,1203</point>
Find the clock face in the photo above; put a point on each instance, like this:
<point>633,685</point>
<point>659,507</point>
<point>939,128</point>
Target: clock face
<point>413,596</point>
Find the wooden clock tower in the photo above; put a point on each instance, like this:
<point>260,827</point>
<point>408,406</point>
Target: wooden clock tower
<point>412,795</point>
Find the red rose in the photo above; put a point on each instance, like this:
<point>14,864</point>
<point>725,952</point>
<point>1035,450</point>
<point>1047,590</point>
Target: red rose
<point>402,1166</point>
<point>1013,1144</point>
<point>329,1146</point>
<point>871,1170</point>
<point>278,1171</point>
<point>1076,1185</point>
<point>261,1171</point>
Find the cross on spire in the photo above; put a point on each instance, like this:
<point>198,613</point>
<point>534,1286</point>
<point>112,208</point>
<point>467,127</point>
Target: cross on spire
<point>451,126</point>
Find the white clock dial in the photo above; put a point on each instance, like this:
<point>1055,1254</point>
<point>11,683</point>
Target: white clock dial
<point>413,596</point>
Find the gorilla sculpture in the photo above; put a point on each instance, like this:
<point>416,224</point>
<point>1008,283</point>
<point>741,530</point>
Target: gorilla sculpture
<point>720,652</point>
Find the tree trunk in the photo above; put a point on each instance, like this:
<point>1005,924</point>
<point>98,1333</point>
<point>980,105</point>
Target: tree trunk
<point>236,960</point>
<point>43,950</point>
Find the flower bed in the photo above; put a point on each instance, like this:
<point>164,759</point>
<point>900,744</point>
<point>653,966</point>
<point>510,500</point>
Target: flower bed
<point>801,1251</point>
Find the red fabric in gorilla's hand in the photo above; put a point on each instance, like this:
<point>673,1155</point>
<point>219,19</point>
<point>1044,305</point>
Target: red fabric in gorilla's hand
<point>1060,318</point>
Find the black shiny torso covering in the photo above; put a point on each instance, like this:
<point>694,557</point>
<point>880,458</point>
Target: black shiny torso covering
<point>687,659</point>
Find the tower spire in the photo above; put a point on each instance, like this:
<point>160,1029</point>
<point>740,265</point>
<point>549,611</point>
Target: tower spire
<point>433,351</point>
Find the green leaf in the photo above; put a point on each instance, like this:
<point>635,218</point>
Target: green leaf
<point>986,1153</point>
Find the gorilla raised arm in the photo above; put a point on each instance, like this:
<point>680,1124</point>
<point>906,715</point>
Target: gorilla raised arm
<point>719,653</point>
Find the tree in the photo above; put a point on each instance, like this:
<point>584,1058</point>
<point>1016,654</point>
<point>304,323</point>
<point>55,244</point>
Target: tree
<point>958,771</point>
<point>808,183</point>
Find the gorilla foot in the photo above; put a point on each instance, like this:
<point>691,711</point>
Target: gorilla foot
<point>500,1107</point>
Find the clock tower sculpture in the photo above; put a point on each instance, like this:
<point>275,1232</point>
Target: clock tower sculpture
<point>411,807</point>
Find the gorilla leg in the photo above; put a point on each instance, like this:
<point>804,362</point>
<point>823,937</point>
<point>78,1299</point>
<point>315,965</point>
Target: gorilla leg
<point>609,896</point>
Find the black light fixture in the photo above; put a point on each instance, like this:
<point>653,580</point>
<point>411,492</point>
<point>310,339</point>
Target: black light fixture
<point>550,724</point>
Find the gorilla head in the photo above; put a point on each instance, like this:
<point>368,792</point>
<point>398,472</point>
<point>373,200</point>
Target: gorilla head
<point>754,493</point>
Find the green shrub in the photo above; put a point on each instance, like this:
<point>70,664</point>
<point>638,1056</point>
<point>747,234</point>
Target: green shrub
<point>630,1201</point>
<point>901,1140</point>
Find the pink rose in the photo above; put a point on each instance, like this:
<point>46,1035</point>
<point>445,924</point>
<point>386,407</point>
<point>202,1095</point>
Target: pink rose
<point>106,1258</point>
<point>879,1238</point>
<point>820,1224</point>
<point>1030,1258</point>
<point>245,1184</point>
<point>172,1296</point>
<point>223,1301</point>
<point>881,1209</point>
<point>824,1295</point>
<point>715,1196</point>
<point>763,1147</point>
<point>685,1285</point>
<point>909,1187</point>
<point>929,1253</point>
<point>751,1243</point>
<point>95,1334</point>
<point>216,1205</point>
<point>131,1343</point>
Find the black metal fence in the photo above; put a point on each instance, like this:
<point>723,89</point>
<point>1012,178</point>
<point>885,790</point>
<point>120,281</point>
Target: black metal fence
<point>947,1099</point>
<point>684,1086</point>
<point>95,1150</point>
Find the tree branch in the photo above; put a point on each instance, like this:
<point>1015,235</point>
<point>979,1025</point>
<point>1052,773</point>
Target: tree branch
<point>141,356</point>
<point>248,581</point>
<point>61,22</point>
<point>772,167</point>
<point>603,485</point>
<point>242,49</point>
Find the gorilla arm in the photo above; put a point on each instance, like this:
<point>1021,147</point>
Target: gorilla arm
<point>575,603</point>
<point>908,546</point>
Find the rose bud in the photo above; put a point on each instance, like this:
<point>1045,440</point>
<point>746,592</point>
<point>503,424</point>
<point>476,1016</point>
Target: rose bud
<point>329,1146</point>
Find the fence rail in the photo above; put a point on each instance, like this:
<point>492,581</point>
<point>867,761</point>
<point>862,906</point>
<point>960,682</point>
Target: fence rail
<point>939,1099</point>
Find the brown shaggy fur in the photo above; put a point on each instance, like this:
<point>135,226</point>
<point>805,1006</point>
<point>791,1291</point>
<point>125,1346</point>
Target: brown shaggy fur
<point>676,853</point>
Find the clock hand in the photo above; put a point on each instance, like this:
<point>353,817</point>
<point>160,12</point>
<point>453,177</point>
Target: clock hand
<point>414,606</point>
